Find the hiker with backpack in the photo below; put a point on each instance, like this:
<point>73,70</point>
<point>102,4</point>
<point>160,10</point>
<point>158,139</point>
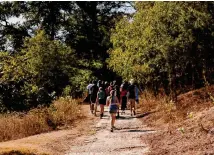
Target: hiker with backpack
<point>94,90</point>
<point>101,99</point>
<point>117,93</point>
<point>113,103</point>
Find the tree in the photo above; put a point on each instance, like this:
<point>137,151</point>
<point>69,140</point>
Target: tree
<point>161,41</point>
<point>31,77</point>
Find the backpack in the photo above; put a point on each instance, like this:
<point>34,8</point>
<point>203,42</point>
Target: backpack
<point>94,90</point>
<point>101,95</point>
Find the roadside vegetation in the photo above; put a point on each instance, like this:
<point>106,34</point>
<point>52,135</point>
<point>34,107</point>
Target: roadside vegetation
<point>61,113</point>
<point>22,152</point>
<point>182,127</point>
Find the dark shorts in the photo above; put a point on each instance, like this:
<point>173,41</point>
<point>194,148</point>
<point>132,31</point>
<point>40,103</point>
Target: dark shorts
<point>102,101</point>
<point>113,109</point>
<point>93,98</point>
<point>124,103</point>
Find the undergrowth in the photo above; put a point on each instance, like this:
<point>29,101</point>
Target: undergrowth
<point>62,112</point>
<point>165,111</point>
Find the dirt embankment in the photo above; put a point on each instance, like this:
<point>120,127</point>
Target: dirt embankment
<point>184,128</point>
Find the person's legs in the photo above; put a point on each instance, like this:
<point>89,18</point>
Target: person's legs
<point>118,113</point>
<point>95,109</point>
<point>123,104</point>
<point>113,118</point>
<point>101,110</point>
<point>134,109</point>
<point>91,103</point>
<point>132,101</point>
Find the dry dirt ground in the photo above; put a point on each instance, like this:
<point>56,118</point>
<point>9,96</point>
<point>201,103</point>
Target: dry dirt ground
<point>89,136</point>
<point>125,140</point>
<point>185,134</point>
<point>56,142</point>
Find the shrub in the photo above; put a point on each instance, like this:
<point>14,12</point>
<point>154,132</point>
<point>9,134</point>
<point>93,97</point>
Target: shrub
<point>63,111</point>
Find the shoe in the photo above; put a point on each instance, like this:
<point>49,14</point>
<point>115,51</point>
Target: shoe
<point>112,129</point>
<point>101,115</point>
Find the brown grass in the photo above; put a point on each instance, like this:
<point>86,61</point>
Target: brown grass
<point>184,127</point>
<point>18,125</point>
<point>166,111</point>
<point>163,110</point>
<point>20,152</point>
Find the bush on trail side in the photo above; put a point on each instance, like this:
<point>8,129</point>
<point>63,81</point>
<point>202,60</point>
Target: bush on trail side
<point>18,125</point>
<point>41,72</point>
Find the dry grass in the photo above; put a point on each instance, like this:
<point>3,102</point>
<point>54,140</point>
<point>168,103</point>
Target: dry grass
<point>19,152</point>
<point>185,127</point>
<point>18,125</point>
<point>165,111</point>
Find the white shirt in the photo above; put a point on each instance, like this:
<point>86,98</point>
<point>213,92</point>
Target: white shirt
<point>89,88</point>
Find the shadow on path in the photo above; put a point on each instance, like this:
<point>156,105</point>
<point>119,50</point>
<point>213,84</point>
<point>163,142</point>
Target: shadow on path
<point>144,114</point>
<point>139,131</point>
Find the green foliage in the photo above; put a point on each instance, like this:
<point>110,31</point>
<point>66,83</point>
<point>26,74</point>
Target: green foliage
<point>38,73</point>
<point>69,52</point>
<point>164,42</point>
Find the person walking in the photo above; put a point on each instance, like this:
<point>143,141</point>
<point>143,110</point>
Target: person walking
<point>123,98</point>
<point>110,88</point>
<point>136,94</point>
<point>117,93</point>
<point>101,100</point>
<point>131,96</point>
<point>113,103</point>
<point>94,90</point>
<point>89,92</point>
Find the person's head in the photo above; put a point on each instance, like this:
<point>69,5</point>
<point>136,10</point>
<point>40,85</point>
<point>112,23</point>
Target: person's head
<point>101,89</point>
<point>94,82</point>
<point>111,84</point>
<point>114,82</point>
<point>131,81</point>
<point>112,92</point>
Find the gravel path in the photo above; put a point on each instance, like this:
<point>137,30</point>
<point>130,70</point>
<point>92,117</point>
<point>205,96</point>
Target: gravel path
<point>125,140</point>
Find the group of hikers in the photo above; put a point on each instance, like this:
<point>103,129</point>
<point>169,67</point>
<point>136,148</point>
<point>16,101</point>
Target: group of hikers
<point>114,96</point>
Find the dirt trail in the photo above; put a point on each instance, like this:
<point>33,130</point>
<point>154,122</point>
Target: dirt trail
<point>90,136</point>
<point>126,138</point>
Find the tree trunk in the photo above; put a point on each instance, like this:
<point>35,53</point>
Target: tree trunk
<point>172,84</point>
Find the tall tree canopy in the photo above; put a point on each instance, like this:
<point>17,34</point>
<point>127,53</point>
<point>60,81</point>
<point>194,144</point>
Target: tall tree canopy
<point>165,44</point>
<point>56,48</point>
